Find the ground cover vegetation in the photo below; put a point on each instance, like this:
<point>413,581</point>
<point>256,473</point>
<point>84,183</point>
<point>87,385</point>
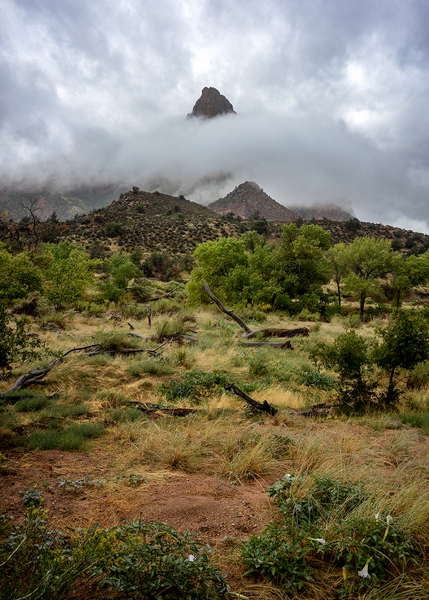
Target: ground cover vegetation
<point>351,423</point>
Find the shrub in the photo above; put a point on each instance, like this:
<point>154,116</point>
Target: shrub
<point>349,356</point>
<point>136,559</point>
<point>369,550</point>
<point>113,229</point>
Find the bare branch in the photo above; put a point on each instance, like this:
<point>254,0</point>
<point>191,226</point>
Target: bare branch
<point>227,311</point>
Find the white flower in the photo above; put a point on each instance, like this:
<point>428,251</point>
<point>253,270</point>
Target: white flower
<point>364,573</point>
<point>389,519</point>
<point>191,558</point>
<point>320,540</point>
<point>377,516</point>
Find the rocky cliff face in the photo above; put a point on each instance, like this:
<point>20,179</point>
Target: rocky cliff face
<point>211,104</point>
<point>247,199</point>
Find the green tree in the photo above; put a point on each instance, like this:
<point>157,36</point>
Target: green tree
<point>216,261</point>
<point>18,275</point>
<point>368,259</point>
<point>408,273</point>
<point>405,343</point>
<point>15,344</point>
<point>349,355</point>
<point>337,256</point>
<point>303,267</point>
<point>249,270</point>
<point>122,270</point>
<point>70,272</point>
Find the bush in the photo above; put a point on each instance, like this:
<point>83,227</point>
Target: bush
<point>113,229</point>
<point>349,356</point>
<point>368,550</point>
<point>136,559</point>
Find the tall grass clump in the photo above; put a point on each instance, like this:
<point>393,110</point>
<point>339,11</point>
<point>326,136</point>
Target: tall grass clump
<point>68,439</point>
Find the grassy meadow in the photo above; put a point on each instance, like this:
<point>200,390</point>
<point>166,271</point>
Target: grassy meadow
<point>359,483</point>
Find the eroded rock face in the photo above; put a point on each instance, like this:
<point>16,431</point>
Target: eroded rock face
<point>211,104</point>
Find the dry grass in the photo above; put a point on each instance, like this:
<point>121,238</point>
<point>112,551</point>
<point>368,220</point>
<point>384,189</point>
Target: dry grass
<point>391,460</point>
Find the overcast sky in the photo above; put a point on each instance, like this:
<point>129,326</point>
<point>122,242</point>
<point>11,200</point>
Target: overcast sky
<point>331,95</point>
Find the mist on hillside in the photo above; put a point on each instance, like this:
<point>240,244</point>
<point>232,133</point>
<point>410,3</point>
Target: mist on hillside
<point>206,159</point>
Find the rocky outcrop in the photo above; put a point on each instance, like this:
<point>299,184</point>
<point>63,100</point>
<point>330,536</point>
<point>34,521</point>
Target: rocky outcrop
<point>247,199</point>
<point>211,104</point>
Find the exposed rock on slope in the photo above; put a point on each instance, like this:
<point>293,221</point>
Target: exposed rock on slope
<point>247,199</point>
<point>211,104</point>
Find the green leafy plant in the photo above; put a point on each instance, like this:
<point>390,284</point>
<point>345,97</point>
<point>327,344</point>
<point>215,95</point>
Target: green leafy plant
<point>15,343</point>
<point>368,550</point>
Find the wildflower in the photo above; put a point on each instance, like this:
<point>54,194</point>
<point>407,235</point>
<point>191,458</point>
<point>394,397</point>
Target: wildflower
<point>364,573</point>
<point>320,540</point>
<point>191,558</point>
<point>389,519</point>
<point>377,516</point>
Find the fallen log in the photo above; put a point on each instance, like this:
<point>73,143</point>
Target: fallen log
<point>35,376</point>
<point>248,333</point>
<point>264,407</point>
<point>175,412</point>
<point>282,345</point>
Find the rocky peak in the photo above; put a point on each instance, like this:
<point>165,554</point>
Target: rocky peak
<point>247,199</point>
<point>211,104</point>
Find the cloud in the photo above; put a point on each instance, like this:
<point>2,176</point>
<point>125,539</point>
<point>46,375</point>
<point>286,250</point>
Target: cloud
<point>331,98</point>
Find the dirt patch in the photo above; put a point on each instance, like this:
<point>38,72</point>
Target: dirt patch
<point>204,504</point>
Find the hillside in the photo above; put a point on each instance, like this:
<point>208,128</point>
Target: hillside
<point>152,221</point>
<point>65,203</point>
<point>247,199</point>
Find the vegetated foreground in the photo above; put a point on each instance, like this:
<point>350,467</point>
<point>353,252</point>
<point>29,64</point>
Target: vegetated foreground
<point>349,521</point>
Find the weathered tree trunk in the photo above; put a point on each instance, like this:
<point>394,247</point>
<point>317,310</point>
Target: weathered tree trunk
<point>36,375</point>
<point>227,311</point>
<point>264,407</point>
<point>248,333</point>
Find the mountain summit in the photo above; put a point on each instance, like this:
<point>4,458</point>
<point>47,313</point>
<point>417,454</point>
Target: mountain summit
<point>247,199</point>
<point>211,104</point>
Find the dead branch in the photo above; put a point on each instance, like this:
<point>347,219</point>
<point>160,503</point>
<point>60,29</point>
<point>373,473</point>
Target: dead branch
<point>164,296</point>
<point>159,412</point>
<point>281,345</point>
<point>264,407</point>
<point>36,375</point>
<point>248,333</point>
<point>227,311</point>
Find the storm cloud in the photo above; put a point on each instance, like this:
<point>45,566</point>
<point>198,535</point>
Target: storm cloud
<point>331,99</point>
